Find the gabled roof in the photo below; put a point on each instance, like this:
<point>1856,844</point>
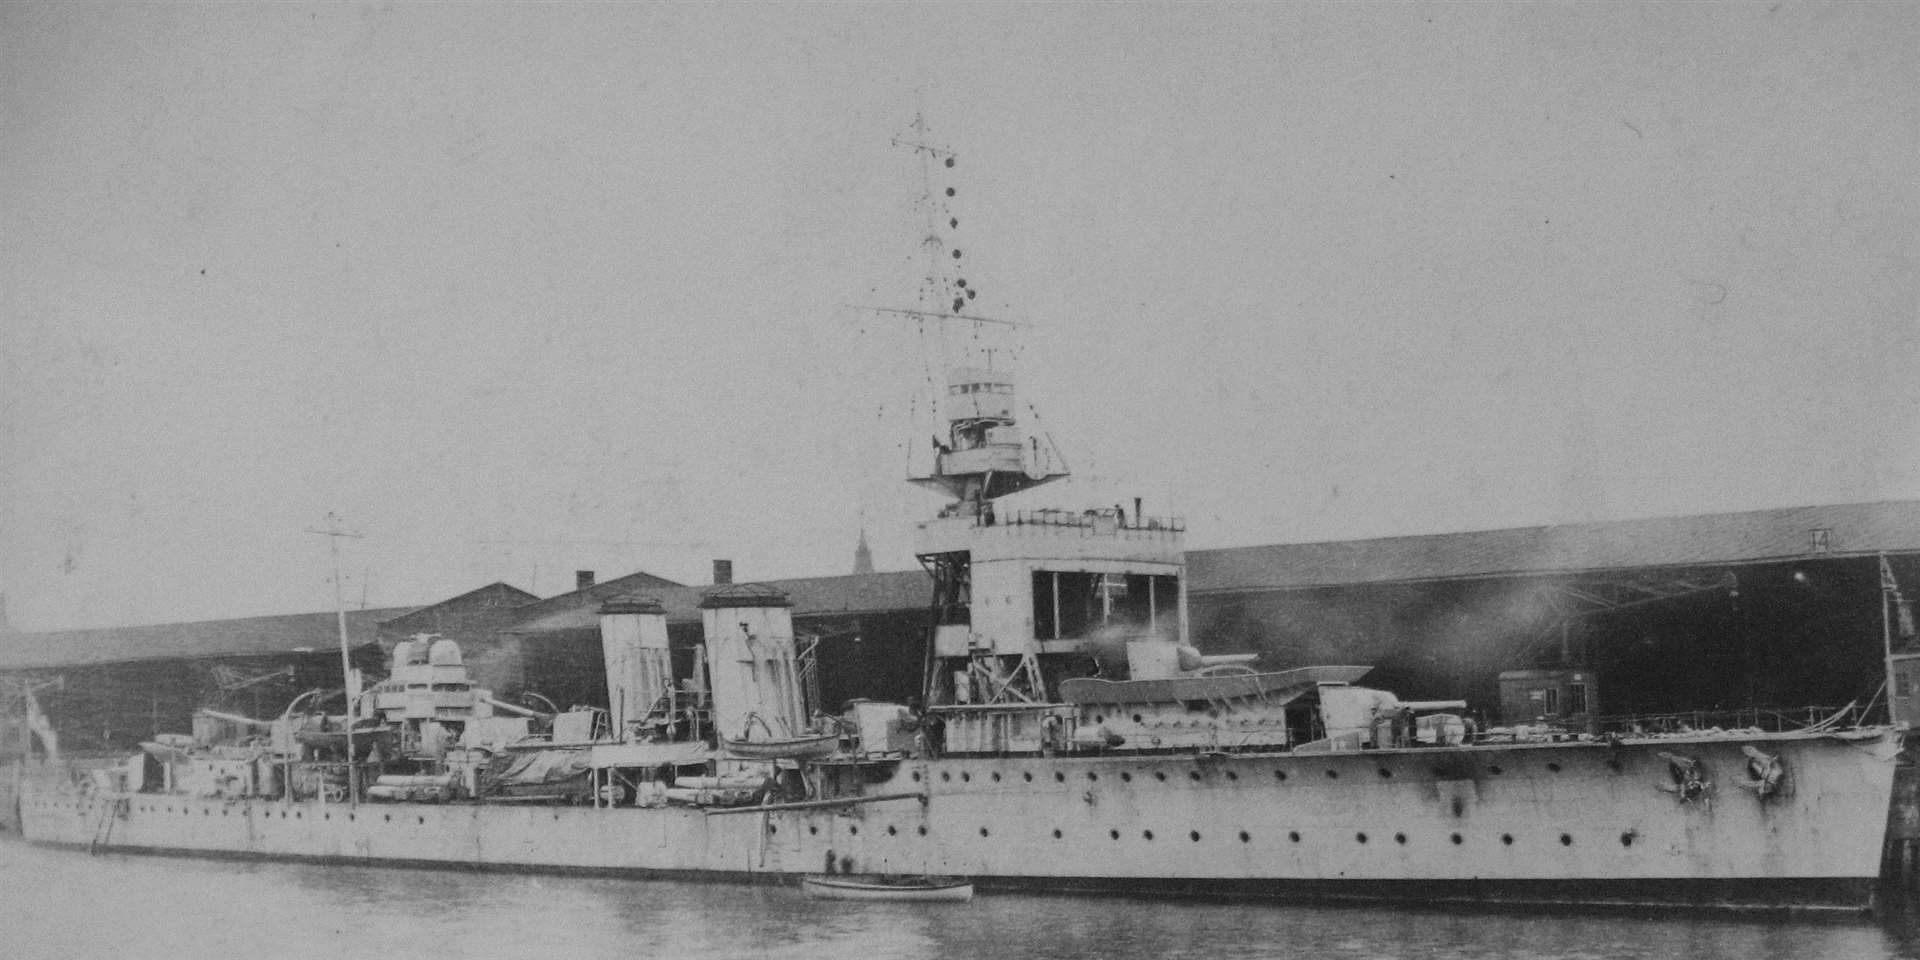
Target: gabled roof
<point>246,637</point>
<point>636,583</point>
<point>494,598</point>
<point>1711,539</point>
<point>811,596</point>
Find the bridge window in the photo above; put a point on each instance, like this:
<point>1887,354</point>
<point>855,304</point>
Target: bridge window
<point>952,586</point>
<point>1070,604</point>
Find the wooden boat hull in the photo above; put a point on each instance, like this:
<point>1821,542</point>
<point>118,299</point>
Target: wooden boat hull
<point>792,748</point>
<point>1283,684</point>
<point>930,890</point>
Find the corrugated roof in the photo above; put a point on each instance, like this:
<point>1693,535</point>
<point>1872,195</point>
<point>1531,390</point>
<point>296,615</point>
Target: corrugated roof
<point>811,596</point>
<point>1851,529</point>
<point>246,637</point>
<point>636,583</point>
<point>859,593</point>
<point>491,599</point>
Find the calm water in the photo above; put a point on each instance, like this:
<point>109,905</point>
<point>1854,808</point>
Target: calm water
<point>56,903</point>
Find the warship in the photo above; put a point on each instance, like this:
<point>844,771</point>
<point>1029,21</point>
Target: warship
<point>1071,736</point>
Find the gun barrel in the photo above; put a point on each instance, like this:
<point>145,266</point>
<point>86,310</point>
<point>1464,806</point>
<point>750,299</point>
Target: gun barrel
<point>1418,705</point>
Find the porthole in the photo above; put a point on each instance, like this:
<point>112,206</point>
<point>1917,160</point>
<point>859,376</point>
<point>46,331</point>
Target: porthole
<point>1056,833</point>
<point>1626,839</point>
<point>996,776</point>
<point>1566,839</point>
<point>1059,777</point>
<point>1193,835</point>
<point>421,820</point>
<point>1091,776</point>
<point>326,816</point>
<point>389,816</point>
<point>1232,776</point>
<point>892,831</point>
<point>966,777</point>
<point>1507,838</point>
<point>1136,718</point>
<point>1495,770</point>
<point>1126,777</point>
<point>1193,775</point>
<point>1027,776</point>
<point>946,775</point>
<point>983,831</point>
<point>1457,839</point>
<point>1333,774</point>
<point>853,829</point>
<point>1245,836</point>
<point>1362,837</point>
<point>923,829</point>
<point>1115,834</point>
<point>813,830</point>
<point>1160,775</point>
<point>1097,718</point>
<point>1553,768</point>
<point>916,776</point>
<point>1293,835</point>
<point>1400,838</point>
<point>1385,773</point>
<point>352,817</point>
<point>1146,834</point>
<point>773,828</point>
<point>1280,775</point>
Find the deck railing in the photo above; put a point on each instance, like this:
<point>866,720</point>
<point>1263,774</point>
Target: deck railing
<point>1100,521</point>
<point>1769,719</point>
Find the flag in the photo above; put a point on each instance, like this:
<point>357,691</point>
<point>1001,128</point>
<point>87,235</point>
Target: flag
<point>42,727</point>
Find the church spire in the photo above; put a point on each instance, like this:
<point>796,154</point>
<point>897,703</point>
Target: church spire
<point>862,555</point>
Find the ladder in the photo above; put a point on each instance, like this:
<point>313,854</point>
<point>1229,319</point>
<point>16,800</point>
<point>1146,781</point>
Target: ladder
<point>114,809</point>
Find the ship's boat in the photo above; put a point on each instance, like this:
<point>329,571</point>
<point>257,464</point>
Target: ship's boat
<point>1283,684</point>
<point>783,748</point>
<point>368,741</point>
<point>922,889</point>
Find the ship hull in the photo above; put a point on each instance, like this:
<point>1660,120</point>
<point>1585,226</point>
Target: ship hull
<point>1810,895</point>
<point>1547,824</point>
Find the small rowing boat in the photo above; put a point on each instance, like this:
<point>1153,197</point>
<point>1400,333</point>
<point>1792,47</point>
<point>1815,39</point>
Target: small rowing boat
<point>880,887</point>
<point>787,748</point>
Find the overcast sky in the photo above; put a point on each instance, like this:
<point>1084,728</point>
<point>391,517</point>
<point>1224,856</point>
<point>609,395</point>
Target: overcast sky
<point>520,289</point>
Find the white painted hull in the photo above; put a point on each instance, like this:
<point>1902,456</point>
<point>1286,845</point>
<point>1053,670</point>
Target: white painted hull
<point>841,888</point>
<point>1546,823</point>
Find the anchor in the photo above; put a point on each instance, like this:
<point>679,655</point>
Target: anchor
<point>1690,781</point>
